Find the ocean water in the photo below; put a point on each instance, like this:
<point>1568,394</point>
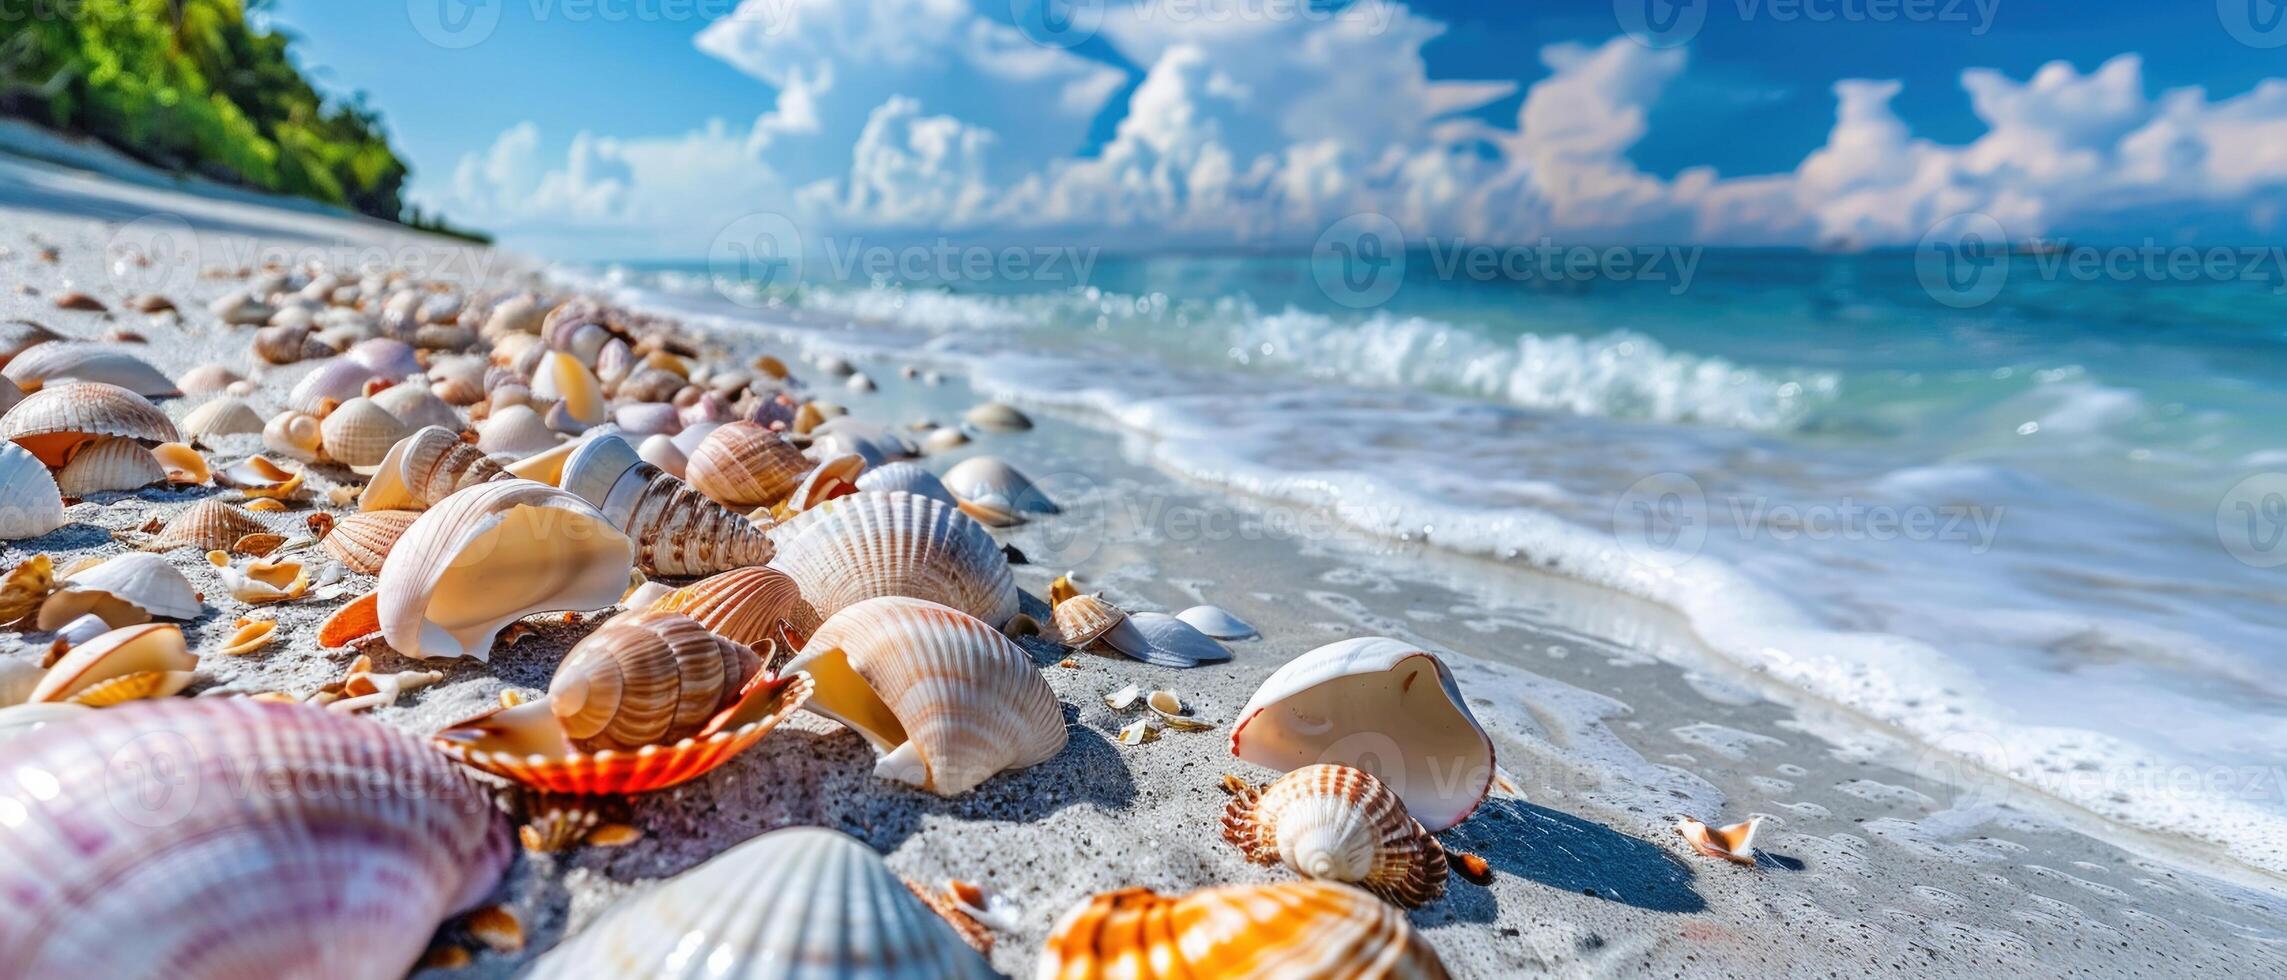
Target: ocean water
<point>2041,536</point>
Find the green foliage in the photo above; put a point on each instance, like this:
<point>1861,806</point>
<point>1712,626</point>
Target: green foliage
<point>190,85</point>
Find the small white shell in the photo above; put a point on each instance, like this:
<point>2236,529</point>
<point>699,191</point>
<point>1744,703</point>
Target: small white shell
<point>220,418</point>
<point>1217,622</point>
<point>124,590</point>
<point>661,451</point>
<point>359,433</point>
<point>30,502</point>
<point>517,431</point>
<point>334,380</point>
<point>416,406</point>
<point>990,477</point>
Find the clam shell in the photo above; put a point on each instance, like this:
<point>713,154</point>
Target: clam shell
<point>909,477</point>
<point>997,417</point>
<point>359,434</point>
<point>651,678</point>
<point>493,554</point>
<point>209,525</point>
<point>424,468</point>
<point>561,378</point>
<point>362,542</point>
<point>517,431</point>
<point>744,465</point>
<point>679,532</point>
<point>145,661</point>
<point>128,852</point>
<point>416,406</point>
<point>660,451</point>
<point>56,421</point>
<point>295,435</point>
<point>800,902</point>
<point>336,380</point>
<point>882,544</point>
<point>1084,619</point>
<point>30,502</point>
<point>109,463</point>
<point>990,477</point>
<point>124,591</point>
<point>1171,642</point>
<point>1377,704</point>
<point>207,379</point>
<point>386,357</point>
<point>217,419</point>
<point>1297,930</point>
<point>743,604</point>
<point>1217,622</point>
<point>62,362</point>
<point>943,696</point>
<point>1339,824</point>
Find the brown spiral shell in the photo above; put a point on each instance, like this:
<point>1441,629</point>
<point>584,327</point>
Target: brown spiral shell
<point>743,604</point>
<point>1339,824</point>
<point>651,678</point>
<point>745,465</point>
<point>426,467</point>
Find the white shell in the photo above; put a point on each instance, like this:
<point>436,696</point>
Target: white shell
<point>57,362</point>
<point>802,903</point>
<point>109,463</point>
<point>864,545</point>
<point>491,554</point>
<point>516,431</point>
<point>125,589</point>
<point>661,451</point>
<point>219,418</point>
<point>562,378</point>
<point>648,419</point>
<point>386,357</point>
<point>909,477</point>
<point>30,503</point>
<point>988,477</point>
<point>1217,622</point>
<point>337,379</point>
<point>359,433</point>
<point>416,406</point>
<point>1171,642</point>
<point>1380,705</point>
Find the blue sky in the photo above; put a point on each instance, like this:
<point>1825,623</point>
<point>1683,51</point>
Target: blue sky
<point>578,118</point>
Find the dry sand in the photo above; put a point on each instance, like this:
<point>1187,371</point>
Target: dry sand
<point>1604,713</point>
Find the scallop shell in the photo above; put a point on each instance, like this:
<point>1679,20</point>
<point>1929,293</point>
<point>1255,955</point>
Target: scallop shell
<point>30,502</point>
<point>943,696</point>
<point>56,421</point>
<point>123,591</point>
<point>516,430</point>
<point>144,661</point>
<point>209,525</point>
<point>1377,704</point>
<point>744,465</point>
<point>128,852</point>
<point>207,379</point>
<point>881,544</point>
<point>386,357</point>
<point>997,417</point>
<point>1297,930</point>
<point>1082,620</point>
<point>109,463</point>
<point>493,554</point>
<point>1171,642</point>
<point>336,380</point>
<point>415,406</point>
<point>991,478</point>
<point>679,532</point>
<point>295,435</point>
<point>217,419</point>
<point>800,902</point>
<point>424,468</point>
<point>363,541</point>
<point>360,433</point>
<point>909,477</point>
<point>660,451</point>
<point>562,378</point>
<point>1217,622</point>
<point>651,678</point>
<point>63,362</point>
<point>743,604</point>
<point>1338,824</point>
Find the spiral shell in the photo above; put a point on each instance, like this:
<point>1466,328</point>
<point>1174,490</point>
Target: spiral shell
<point>743,604</point>
<point>362,541</point>
<point>359,434</point>
<point>678,531</point>
<point>493,554</point>
<point>424,468</point>
<point>1339,824</point>
<point>30,502</point>
<point>795,903</point>
<point>56,421</point>
<point>220,418</point>
<point>651,678</point>
<point>945,698</point>
<point>124,590</point>
<point>111,872</point>
<point>1297,930</point>
<point>881,544</point>
<point>744,465</point>
<point>65,362</point>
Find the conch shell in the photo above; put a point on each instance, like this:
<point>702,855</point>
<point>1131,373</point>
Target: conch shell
<point>881,544</point>
<point>490,555</point>
<point>1297,930</point>
<point>424,468</point>
<point>1339,824</point>
<point>679,531</point>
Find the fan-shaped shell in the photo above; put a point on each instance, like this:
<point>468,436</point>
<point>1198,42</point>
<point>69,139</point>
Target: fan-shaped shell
<point>145,661</point>
<point>130,853</point>
<point>1171,642</point>
<point>385,357</point>
<point>209,525</point>
<point>800,903</point>
<point>123,591</point>
<point>650,678</point>
<point>359,434</point>
<point>207,379</point>
<point>335,380</point>
<point>415,406</point>
<point>679,532</point>
<point>424,468</point>
<point>295,435</point>
<point>1085,619</point>
<point>493,554</point>
<point>516,430</point>
<point>1338,824</point>
<point>880,544</point>
<point>1297,930</point>
<point>744,465</point>
<point>991,478</point>
<point>109,463</point>
<point>1217,622</point>
<point>363,541</point>
<point>946,699</point>
<point>1377,704</point>
<point>62,362</point>
<point>56,421</point>
<point>743,604</point>
<point>220,418</point>
<point>561,377</point>
<point>909,477</point>
<point>30,502</point>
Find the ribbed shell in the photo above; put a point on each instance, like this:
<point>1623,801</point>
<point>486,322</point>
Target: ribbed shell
<point>359,433</point>
<point>209,525</point>
<point>743,464</point>
<point>743,604</point>
<point>1299,930</point>
<point>427,467</point>
<point>909,477</point>
<point>107,464</point>
<point>1084,619</point>
<point>524,745</point>
<point>219,418</point>
<point>493,554</point>
<point>56,421</point>
<point>1339,824</point>
<point>336,380</point>
<point>649,678</point>
<point>363,541</point>
<point>881,544</point>
<point>60,362</point>
<point>145,842</point>
<point>678,531</point>
<point>947,699</point>
<point>30,502</point>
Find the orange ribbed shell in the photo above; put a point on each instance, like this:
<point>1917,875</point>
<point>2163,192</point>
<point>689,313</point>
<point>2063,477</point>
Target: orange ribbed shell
<point>1300,930</point>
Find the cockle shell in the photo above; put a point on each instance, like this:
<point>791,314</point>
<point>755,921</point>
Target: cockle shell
<point>295,435</point>
<point>1171,642</point>
<point>124,590</point>
<point>128,851</point>
<point>1380,705</point>
<point>359,434</point>
<point>517,431</point>
<point>561,378</point>
<point>207,379</point>
<point>881,544</point>
<point>363,541</point>
<point>997,417</point>
<point>909,477</point>
<point>424,468</point>
<point>799,903</point>
<point>1339,824</point>
<point>743,604</point>
<point>744,465</point>
<point>649,678</point>
<point>661,451</point>
<point>944,697</point>
<point>490,555</point>
<point>109,463</point>
<point>1217,623</point>
<point>56,421</point>
<point>209,525</point>
<point>62,362</point>
<point>30,502</point>
<point>415,406</point>
<point>678,531</point>
<point>217,419</point>
<point>989,478</point>
<point>336,380</point>
<point>125,664</point>
<point>1297,930</point>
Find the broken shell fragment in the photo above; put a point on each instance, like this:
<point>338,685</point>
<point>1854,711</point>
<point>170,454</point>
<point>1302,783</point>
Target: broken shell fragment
<point>251,635</point>
<point>259,581</point>
<point>182,464</point>
<point>1338,824</point>
<point>25,587</point>
<point>1735,843</point>
<point>1173,714</point>
<point>258,476</point>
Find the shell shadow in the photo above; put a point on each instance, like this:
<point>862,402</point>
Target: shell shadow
<point>1563,851</point>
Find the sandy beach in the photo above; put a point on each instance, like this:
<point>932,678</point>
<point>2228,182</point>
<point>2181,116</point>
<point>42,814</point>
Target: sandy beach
<point>1608,715</point>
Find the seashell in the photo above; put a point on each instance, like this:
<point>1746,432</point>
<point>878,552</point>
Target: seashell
<point>520,314</point>
<point>18,678</point>
<point>859,383</point>
<point>795,902</point>
<point>709,407</point>
<point>19,720</point>
<point>492,554</point>
<point>109,463</point>
<point>547,465</point>
<point>909,477</point>
<point>337,380</point>
<point>1084,620</point>
<point>424,468</point>
<point>688,440</point>
<point>209,423</point>
<point>981,477</point>
<point>385,357</point>
<point>30,502</point>
<point>288,345</point>
<point>660,451</point>
<point>649,384</point>
<point>207,379</point>
<point>1217,622</point>
<point>1364,702</point>
<point>25,587</point>
<point>10,395</point>
<point>55,422</point>
<point>944,439</point>
<point>259,476</point>
<point>1171,642</point>
<point>771,367</point>
<point>182,464</point>
<point>416,406</point>
<point>836,477</point>
<point>678,531</point>
<point>251,635</point>
<point>258,582</point>
<point>647,419</point>
<point>209,525</point>
<point>241,309</point>
<point>1172,713</point>
<point>1735,843</point>
<point>992,510</point>
<point>359,434</point>
<point>651,678</point>
<point>81,302</point>
<point>563,379</point>
<point>835,366</point>
<point>18,336</point>
<point>943,696</point>
<point>880,544</point>
<point>1296,930</point>
<point>362,541</point>
<point>997,417</point>
<point>517,431</point>
<point>295,435</point>
<point>1336,823</point>
<point>81,630</point>
<point>614,361</point>
<point>143,661</point>
<point>124,590</point>
<point>745,465</point>
<point>744,604</point>
<point>330,879</point>
<point>458,391</point>
<point>66,361</point>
